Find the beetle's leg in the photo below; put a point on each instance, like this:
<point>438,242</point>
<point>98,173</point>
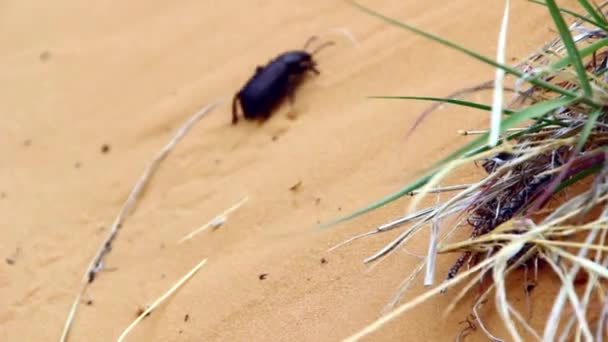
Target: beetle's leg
<point>235,118</point>
<point>291,88</point>
<point>258,69</point>
<point>314,69</point>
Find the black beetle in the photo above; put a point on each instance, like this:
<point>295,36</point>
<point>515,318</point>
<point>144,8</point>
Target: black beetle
<point>272,82</point>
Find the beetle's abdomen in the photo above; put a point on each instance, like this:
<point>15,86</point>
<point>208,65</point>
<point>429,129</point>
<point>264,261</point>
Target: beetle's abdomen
<point>265,89</point>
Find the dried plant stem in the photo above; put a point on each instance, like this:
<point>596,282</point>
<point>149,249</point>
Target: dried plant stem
<point>215,222</point>
<point>162,298</point>
<point>97,263</point>
<point>442,189</point>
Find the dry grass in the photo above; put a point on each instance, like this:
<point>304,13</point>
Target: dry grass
<point>542,199</point>
<point>97,263</point>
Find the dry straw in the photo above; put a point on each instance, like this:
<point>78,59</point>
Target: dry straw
<point>161,299</point>
<point>543,199</point>
<point>97,263</point>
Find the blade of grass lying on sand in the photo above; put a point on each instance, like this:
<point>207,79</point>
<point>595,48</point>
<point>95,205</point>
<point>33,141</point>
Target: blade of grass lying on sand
<point>161,299</point>
<point>464,103</point>
<point>215,222</point>
<point>459,102</point>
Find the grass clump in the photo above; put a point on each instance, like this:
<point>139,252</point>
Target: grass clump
<point>543,199</point>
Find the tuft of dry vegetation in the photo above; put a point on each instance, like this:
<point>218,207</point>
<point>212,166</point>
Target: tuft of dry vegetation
<point>543,198</point>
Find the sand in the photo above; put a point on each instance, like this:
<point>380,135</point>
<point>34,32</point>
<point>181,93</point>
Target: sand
<point>126,74</point>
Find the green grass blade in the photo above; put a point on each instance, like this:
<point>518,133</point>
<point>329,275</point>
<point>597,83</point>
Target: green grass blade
<point>420,182</point>
<point>570,47</point>
<point>574,14</point>
<point>532,112</point>
<point>592,11</point>
<point>489,61</point>
<point>528,113</point>
<point>463,103</point>
<point>459,102</point>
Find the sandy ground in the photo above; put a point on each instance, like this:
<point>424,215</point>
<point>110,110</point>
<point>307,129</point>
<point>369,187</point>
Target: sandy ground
<point>76,76</point>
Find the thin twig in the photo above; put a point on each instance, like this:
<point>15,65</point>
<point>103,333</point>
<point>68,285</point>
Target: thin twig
<point>161,299</point>
<point>97,263</point>
<point>441,189</point>
<point>216,221</point>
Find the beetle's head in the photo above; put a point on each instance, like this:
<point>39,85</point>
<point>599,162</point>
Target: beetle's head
<point>299,61</point>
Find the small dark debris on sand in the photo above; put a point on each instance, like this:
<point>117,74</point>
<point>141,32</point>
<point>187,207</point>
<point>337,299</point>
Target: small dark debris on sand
<point>323,261</point>
<point>186,318</point>
<point>11,260</point>
<point>105,148</point>
<point>263,276</point>
<point>296,186</point>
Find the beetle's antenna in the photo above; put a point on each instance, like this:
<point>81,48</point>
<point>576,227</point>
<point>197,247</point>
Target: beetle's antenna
<point>310,40</point>
<point>322,46</point>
